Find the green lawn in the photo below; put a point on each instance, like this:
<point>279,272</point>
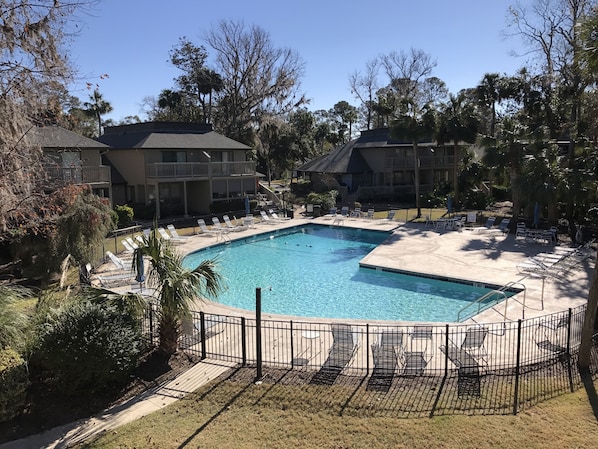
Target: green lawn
<point>228,414</point>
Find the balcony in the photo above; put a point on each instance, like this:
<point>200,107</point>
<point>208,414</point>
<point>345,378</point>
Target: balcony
<point>185,171</point>
<point>99,174</point>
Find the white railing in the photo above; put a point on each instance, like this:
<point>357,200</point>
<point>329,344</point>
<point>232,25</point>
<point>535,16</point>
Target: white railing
<point>194,170</point>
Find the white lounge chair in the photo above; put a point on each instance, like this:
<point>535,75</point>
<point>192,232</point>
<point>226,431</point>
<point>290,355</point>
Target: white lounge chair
<point>233,227</point>
<point>174,235</point>
<point>331,213</point>
<point>370,214</point>
<point>218,226</point>
<point>265,218</point>
<point>204,228</point>
<point>118,263</point>
<point>128,248</point>
<point>276,217</point>
<point>163,233</point>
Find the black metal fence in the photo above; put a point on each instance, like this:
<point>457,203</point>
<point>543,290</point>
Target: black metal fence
<point>496,367</point>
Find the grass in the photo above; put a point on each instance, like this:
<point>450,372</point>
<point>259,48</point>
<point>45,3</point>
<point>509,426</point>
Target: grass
<point>233,414</point>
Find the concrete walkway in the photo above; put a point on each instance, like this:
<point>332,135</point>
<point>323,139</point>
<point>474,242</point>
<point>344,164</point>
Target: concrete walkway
<point>135,408</point>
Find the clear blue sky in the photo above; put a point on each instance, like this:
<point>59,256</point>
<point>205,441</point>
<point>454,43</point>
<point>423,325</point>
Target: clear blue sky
<point>130,40</point>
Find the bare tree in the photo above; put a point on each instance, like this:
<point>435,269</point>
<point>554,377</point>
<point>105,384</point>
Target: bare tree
<point>33,69</point>
<point>364,88</point>
<point>259,79</point>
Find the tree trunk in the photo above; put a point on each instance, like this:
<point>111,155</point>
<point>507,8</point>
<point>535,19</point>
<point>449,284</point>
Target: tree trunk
<point>456,173</point>
<point>589,323</point>
<point>169,334</point>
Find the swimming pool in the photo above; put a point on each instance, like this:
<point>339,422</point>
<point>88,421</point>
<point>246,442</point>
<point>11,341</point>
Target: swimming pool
<point>313,271</point>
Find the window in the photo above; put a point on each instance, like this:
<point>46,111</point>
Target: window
<point>174,156</point>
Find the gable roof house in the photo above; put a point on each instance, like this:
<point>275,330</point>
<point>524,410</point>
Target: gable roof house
<point>72,159</point>
<point>181,168</point>
<point>375,168</point>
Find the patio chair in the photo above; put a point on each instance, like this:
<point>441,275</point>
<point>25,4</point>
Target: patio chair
<point>503,226</point>
<point>387,352</point>
<point>521,230</point>
<point>468,374</point>
<point>218,226</point>
<point>488,225</point>
<point>276,217</point>
<point>415,363</point>
<point>356,213</point>
<point>204,228</point>
<point>370,214</point>
<point>118,263</point>
<point>128,248</point>
<point>163,234</point>
<point>391,215</point>
<point>174,235</point>
<point>114,280</point>
<point>345,211</point>
<point>233,227</point>
<point>265,218</point>
<point>343,348</point>
<point>551,333</point>
<point>331,213</point>
<point>473,343</point>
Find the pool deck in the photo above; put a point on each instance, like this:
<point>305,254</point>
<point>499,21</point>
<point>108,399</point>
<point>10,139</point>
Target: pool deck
<point>473,254</point>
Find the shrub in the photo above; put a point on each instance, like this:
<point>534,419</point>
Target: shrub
<point>125,214</point>
<point>87,346</point>
<point>14,381</point>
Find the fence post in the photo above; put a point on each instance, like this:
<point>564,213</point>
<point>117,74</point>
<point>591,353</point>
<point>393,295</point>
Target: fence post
<point>244,340</point>
<point>258,332</point>
<point>569,371</point>
<point>367,346</point>
<point>517,365</point>
<point>446,345</point>
<point>292,347</point>
<point>202,334</point>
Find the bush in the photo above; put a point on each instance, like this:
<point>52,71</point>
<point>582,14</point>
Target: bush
<point>14,381</point>
<point>125,214</point>
<point>87,346</point>
<point>326,200</point>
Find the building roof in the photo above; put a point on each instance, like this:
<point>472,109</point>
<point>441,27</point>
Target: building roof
<point>168,135</point>
<point>343,159</point>
<point>53,136</point>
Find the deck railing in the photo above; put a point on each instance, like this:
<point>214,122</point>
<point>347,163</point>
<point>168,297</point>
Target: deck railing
<point>198,170</point>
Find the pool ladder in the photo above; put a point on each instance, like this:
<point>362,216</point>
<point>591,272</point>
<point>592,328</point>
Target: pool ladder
<point>486,300</point>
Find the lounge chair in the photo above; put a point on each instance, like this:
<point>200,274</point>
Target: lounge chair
<point>174,235</point>
<point>551,334</point>
<point>331,213</point>
<point>473,342</point>
<point>114,280</point>
<point>415,359</point>
<point>343,347</point>
<point>233,227</point>
<point>387,352</point>
<point>468,380</point>
<point>204,228</point>
<point>391,215</point>
<point>488,225</point>
<point>370,214</point>
<point>218,226</point>
<point>356,213</point>
<point>212,326</point>
<point>503,226</point>
<point>118,263</point>
<point>163,234</point>
<point>128,248</point>
<point>345,212</point>
<point>275,216</point>
<point>265,218</point>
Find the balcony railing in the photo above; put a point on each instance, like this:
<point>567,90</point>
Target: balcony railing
<point>197,170</point>
<point>78,175</point>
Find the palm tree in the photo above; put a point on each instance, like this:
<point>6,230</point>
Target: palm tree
<point>177,287</point>
<point>459,123</point>
<point>97,107</point>
<point>415,125</point>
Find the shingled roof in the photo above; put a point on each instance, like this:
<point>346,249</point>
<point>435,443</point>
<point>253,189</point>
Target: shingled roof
<point>168,135</point>
<point>343,159</point>
<point>56,137</point>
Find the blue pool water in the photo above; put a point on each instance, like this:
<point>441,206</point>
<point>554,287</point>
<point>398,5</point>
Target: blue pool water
<point>313,270</point>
